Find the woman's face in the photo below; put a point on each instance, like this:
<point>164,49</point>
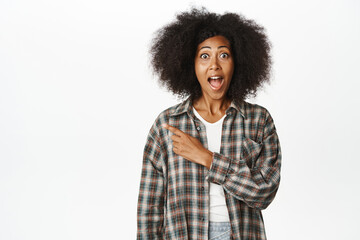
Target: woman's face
<point>214,67</point>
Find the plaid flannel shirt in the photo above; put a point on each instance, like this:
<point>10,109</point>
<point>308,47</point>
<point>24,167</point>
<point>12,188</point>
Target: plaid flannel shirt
<point>173,199</point>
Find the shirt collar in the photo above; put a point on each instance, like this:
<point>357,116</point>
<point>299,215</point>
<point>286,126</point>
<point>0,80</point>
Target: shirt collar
<point>186,106</point>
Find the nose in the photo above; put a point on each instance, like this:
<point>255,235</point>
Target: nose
<point>214,64</point>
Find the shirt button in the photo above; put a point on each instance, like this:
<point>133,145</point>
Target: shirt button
<point>198,128</point>
<point>202,219</point>
<point>202,188</point>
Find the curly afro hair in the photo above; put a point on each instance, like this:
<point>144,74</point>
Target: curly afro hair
<point>174,47</point>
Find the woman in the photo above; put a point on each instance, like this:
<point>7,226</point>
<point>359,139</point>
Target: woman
<point>212,162</point>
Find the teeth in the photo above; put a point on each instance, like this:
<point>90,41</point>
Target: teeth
<point>215,77</point>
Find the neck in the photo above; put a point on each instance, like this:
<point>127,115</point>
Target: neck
<point>212,106</point>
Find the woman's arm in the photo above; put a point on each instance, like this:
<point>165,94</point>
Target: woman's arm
<point>150,210</point>
<point>257,184</point>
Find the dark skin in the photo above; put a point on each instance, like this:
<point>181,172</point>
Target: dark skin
<point>214,67</point>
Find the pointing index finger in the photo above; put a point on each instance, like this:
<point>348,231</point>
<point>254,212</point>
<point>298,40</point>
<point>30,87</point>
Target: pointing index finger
<point>172,129</point>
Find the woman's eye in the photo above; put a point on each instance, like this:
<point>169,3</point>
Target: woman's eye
<point>204,56</point>
<point>224,55</point>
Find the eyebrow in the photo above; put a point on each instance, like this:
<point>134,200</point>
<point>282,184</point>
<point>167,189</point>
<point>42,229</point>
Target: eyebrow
<point>218,47</point>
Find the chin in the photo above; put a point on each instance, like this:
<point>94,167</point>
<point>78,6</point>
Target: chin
<point>219,96</point>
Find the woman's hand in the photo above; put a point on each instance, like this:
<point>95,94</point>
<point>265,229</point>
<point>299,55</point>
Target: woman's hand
<point>189,147</point>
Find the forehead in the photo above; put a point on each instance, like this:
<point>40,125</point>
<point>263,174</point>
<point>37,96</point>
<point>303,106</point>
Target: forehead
<point>214,42</point>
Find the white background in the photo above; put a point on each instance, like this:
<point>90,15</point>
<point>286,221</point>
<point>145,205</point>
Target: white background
<point>77,99</point>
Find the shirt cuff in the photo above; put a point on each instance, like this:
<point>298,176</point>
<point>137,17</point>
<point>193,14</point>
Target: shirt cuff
<point>219,168</point>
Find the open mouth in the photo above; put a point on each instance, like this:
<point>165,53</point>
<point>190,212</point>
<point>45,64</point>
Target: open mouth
<point>216,82</point>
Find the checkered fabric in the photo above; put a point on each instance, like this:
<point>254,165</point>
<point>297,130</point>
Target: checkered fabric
<point>173,199</point>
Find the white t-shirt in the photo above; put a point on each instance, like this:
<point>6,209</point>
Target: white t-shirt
<point>218,209</point>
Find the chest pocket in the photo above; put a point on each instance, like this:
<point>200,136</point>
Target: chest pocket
<point>250,151</point>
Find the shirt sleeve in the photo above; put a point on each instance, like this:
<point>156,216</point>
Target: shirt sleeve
<point>255,177</point>
<point>150,210</point>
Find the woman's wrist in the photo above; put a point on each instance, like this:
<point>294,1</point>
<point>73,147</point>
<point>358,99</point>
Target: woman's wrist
<point>208,158</point>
